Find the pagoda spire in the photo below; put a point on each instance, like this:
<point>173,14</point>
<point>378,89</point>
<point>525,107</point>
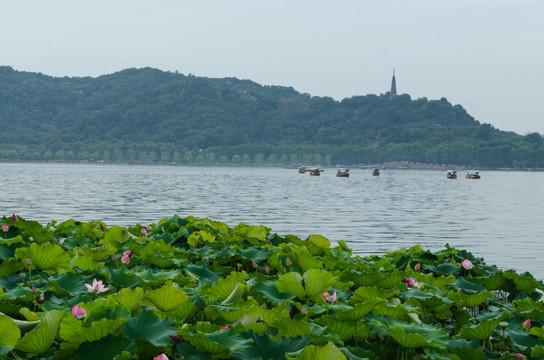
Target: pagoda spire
<point>393,92</point>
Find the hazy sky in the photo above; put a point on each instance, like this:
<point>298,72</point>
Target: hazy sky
<point>486,55</point>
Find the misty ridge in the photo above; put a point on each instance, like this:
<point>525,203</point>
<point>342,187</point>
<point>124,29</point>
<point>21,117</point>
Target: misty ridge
<point>149,115</point>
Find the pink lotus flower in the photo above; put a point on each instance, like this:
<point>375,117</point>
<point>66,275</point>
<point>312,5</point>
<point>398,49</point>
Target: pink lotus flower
<point>326,296</point>
<point>128,253</point>
<point>467,264</point>
<point>526,324</point>
<point>148,227</point>
<point>304,311</point>
<point>410,282</point>
<point>14,217</point>
<point>288,262</point>
<point>520,356</point>
<point>5,227</point>
<point>417,267</point>
<point>224,328</point>
<point>333,297</point>
<point>78,312</point>
<point>61,241</point>
<point>28,261</point>
<point>267,269</point>
<point>97,287</point>
<point>125,259</point>
<point>254,263</point>
<point>161,357</point>
<point>144,233</point>
<point>41,298</point>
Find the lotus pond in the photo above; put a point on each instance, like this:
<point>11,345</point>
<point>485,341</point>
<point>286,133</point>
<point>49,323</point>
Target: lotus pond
<point>188,288</point>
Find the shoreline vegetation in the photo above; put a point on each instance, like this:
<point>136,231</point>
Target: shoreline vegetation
<point>198,289</point>
<point>402,165</point>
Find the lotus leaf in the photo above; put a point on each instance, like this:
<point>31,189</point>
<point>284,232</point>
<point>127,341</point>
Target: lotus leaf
<point>146,325</point>
<point>270,293</point>
<point>115,237</point>
<point>260,232</point>
<point>125,278</point>
<point>198,235</point>
<point>104,349</point>
<point>290,328</point>
<point>538,351</point>
<point>482,331</point>
<point>225,286</point>
<point>86,264</point>
<point>304,260</point>
<point>47,257</point>
<point>129,298</point>
<point>475,299</point>
<point>40,339</point>
<point>75,334</point>
<point>10,266</point>
<point>359,310</point>
<point>268,349</point>
<point>419,335</point>
<point>319,241</point>
<point>9,335</point>
<point>327,352</point>
<point>166,298</point>
<point>316,282</point>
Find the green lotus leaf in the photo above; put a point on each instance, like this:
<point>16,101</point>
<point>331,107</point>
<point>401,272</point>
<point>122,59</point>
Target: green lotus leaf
<point>147,325</point>
<point>364,293</point>
<point>538,351</point>
<point>15,240</point>
<point>396,312</point>
<point>86,264</point>
<point>290,328</point>
<point>107,312</point>
<point>346,330</point>
<point>439,282</point>
<point>312,352</point>
<point>362,278</point>
<point>466,350</point>
<point>75,334</point>
<point>319,241</point>
<point>482,331</point>
<point>258,319</point>
<point>203,273</point>
<point>10,266</point>
<point>525,283</point>
<point>95,254</point>
<point>254,253</point>
<point>225,286</point>
<point>419,335</point>
<point>115,237</point>
<point>188,352</point>
<point>392,280</point>
<point>129,298</point>
<point>6,252</point>
<point>260,232</point>
<point>201,342</point>
<point>316,283</point>
<point>29,315</point>
<point>467,286</point>
<point>124,277</point>
<point>166,298</point>
<point>359,310</point>
<point>72,283</point>
<point>106,348</point>
<point>265,348</point>
<point>48,257</point>
<point>304,260</point>
<point>197,235</point>
<point>496,281</point>
<point>473,300</point>
<point>9,335</point>
<point>40,339</point>
<point>270,293</point>
<point>291,283</point>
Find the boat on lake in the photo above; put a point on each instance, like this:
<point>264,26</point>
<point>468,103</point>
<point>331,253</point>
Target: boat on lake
<point>376,172</point>
<point>473,175</point>
<point>303,170</point>
<point>315,172</point>
<point>452,174</point>
<point>343,173</point>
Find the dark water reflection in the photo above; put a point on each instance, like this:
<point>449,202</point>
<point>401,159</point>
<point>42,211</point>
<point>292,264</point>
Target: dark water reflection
<point>499,217</point>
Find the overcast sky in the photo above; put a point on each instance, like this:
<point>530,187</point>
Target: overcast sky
<point>486,55</point>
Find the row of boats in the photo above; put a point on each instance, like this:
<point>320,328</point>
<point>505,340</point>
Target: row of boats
<point>452,174</point>
<point>340,173</point>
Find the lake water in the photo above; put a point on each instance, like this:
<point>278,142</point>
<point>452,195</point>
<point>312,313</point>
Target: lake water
<point>498,217</point>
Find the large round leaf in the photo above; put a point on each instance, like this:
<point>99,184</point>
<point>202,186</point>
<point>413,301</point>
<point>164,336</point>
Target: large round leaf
<point>9,335</point>
<point>167,298</point>
<point>40,339</point>
<point>147,325</point>
<point>48,257</point>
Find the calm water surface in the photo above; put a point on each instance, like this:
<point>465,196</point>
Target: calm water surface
<point>498,217</point>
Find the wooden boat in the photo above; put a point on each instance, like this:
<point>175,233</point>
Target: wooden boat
<point>452,174</point>
<point>315,172</point>
<point>344,173</point>
<point>303,169</point>
<point>376,172</point>
<point>473,175</point>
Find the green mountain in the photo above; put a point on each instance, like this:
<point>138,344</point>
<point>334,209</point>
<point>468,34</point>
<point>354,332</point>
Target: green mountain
<point>152,115</point>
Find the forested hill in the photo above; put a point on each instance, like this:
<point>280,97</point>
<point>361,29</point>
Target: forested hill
<point>152,115</point>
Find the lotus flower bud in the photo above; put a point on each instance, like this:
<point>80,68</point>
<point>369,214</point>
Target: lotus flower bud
<point>288,262</point>
<point>78,312</point>
<point>410,282</point>
<point>333,297</point>
<point>526,324</point>
<point>125,259</point>
<point>267,269</point>
<point>520,356</point>
<point>417,266</point>
<point>304,311</point>
<point>144,233</point>
<point>467,265</point>
<point>161,357</point>
<point>326,296</point>
<point>5,227</point>
<point>14,217</point>
<point>254,263</point>
<point>28,261</point>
